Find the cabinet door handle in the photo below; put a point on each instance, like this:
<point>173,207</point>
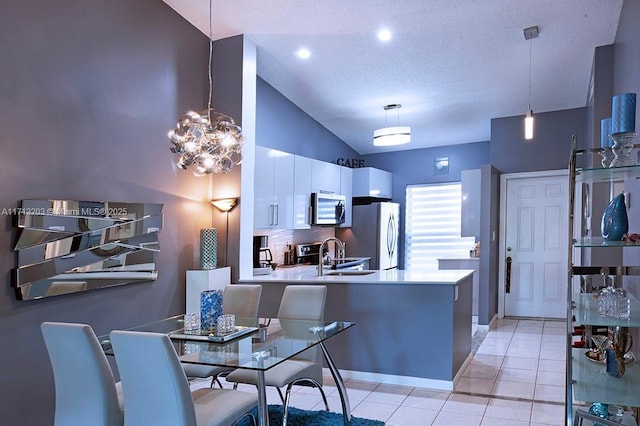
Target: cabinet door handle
<point>507,279</point>
<point>275,215</point>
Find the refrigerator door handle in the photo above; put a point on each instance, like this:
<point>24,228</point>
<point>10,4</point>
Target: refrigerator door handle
<point>391,237</point>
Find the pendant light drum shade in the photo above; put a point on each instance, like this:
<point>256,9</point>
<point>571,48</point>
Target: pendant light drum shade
<point>394,135</point>
<point>390,136</point>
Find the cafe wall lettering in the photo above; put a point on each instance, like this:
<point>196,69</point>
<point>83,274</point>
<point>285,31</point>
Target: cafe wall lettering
<point>354,163</point>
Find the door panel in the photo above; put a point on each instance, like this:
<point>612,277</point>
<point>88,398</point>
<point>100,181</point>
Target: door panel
<point>535,233</point>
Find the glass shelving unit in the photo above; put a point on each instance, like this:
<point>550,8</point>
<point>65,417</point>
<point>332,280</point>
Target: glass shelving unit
<point>587,379</point>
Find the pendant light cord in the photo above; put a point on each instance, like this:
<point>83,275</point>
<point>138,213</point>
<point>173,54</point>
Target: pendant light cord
<point>530,46</point>
<point>209,71</point>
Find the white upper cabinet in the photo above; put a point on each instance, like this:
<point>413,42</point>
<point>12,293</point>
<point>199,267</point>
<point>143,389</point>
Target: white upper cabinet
<point>470,203</point>
<point>273,186</point>
<point>302,193</point>
<point>371,182</point>
<point>346,189</point>
<point>325,177</point>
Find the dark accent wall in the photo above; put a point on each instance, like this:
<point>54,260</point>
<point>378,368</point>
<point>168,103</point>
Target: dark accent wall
<point>282,125</point>
<point>415,166</point>
<point>88,91</point>
<point>548,150</point>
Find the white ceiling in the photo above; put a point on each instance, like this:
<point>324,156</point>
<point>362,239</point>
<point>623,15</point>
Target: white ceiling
<point>452,64</point>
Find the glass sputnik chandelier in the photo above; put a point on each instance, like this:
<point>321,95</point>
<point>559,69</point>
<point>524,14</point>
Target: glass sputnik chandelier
<point>209,141</point>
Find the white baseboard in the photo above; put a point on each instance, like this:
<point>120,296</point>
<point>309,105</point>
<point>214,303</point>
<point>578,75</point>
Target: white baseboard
<point>389,379</point>
<point>485,328</point>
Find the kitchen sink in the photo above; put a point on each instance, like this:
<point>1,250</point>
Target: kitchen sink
<point>348,272</point>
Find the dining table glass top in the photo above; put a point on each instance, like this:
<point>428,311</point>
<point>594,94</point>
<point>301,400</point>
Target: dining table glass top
<point>255,350</point>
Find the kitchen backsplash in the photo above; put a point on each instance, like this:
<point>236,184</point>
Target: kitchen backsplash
<point>279,238</point>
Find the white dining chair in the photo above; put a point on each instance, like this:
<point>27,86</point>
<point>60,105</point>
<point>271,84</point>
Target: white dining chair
<point>243,301</point>
<point>299,302</point>
<point>156,389</point>
<point>86,391</point>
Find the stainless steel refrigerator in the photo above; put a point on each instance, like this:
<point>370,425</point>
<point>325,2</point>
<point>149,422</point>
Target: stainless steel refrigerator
<point>374,234</point>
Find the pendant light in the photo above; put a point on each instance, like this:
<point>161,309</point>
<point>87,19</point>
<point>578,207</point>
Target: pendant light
<point>390,136</point>
<point>529,34</point>
<point>209,141</point>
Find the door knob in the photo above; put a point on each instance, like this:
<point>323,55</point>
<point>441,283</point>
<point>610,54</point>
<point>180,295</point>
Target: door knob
<point>509,248</point>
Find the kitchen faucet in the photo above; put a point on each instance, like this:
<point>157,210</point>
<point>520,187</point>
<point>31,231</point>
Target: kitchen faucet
<point>339,254</point>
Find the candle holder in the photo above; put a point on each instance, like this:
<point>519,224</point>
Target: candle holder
<point>622,146</point>
<point>607,156</point>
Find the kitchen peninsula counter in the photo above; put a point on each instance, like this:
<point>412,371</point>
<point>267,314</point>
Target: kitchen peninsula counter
<point>412,328</point>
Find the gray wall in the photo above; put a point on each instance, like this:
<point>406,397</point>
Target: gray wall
<point>416,167</point>
<point>282,125</point>
<point>88,92</point>
<point>550,147</point>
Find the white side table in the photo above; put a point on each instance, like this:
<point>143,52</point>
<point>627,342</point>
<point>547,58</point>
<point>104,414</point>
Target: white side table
<point>201,280</point>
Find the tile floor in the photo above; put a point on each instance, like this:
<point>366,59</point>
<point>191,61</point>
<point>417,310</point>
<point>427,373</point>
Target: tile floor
<point>516,378</point>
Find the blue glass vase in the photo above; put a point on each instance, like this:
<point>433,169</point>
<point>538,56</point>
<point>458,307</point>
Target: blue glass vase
<point>614,220</point>
<point>210,310</point>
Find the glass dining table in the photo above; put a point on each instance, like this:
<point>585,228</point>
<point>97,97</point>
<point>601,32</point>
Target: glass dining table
<point>257,347</point>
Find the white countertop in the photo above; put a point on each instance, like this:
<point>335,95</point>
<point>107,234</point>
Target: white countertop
<point>459,258</point>
<point>308,274</point>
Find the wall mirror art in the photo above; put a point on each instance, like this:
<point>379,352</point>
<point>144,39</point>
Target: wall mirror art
<point>66,246</point>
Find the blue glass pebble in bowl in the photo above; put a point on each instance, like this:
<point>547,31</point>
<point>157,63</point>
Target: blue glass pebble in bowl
<point>614,220</point>
<point>210,309</point>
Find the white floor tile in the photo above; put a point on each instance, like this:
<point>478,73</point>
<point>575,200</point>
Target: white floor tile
<point>481,371</point>
<point>516,375</point>
<point>550,378</point>
<point>492,421</point>
<point>466,404</point>
<point>552,365</point>
<point>549,393</point>
<point>426,399</point>
<point>520,363</point>
<point>474,385</point>
<point>451,418</point>
<point>374,410</point>
<point>484,359</point>
<point>389,394</point>
<point>547,414</point>
<point>506,409</point>
<point>404,416</point>
<point>513,389</point>
<point>523,351</point>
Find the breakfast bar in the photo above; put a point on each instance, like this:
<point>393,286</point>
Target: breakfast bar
<point>413,328</point>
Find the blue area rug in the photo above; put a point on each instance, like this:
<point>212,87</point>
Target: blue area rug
<point>308,418</point>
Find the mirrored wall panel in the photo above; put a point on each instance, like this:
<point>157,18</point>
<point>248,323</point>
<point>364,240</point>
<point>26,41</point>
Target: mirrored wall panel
<point>66,246</point>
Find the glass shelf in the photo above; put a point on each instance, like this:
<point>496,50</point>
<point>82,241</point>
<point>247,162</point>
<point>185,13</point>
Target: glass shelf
<point>592,383</point>
<point>586,312</point>
<point>609,174</point>
<point>601,242</point>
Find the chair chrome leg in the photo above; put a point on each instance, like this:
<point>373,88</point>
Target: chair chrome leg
<point>280,393</point>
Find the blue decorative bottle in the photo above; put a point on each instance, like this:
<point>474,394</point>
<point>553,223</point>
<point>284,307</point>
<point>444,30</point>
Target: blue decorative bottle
<point>614,220</point>
<point>210,310</point>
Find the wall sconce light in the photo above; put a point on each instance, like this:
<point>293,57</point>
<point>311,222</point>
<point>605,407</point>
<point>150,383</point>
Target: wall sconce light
<point>225,205</point>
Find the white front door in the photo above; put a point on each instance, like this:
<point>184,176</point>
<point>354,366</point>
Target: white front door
<point>534,245</point>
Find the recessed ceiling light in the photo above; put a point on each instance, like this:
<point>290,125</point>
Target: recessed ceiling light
<point>384,35</point>
<point>303,53</point>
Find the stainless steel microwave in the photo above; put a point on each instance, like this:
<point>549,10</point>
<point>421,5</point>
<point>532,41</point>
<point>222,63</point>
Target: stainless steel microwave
<point>327,209</point>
